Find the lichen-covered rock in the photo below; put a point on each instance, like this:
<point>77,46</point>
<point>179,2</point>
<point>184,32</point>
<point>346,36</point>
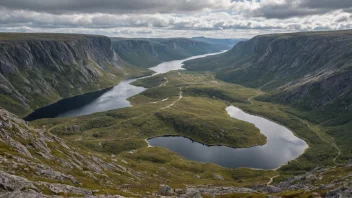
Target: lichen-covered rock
<point>19,194</point>
<point>216,176</point>
<point>166,191</point>
<point>50,173</point>
<point>66,189</point>
<point>15,183</point>
<point>341,192</point>
<point>106,196</point>
<point>214,191</point>
<point>272,189</point>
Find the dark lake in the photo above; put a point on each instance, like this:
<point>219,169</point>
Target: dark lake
<point>282,146</point>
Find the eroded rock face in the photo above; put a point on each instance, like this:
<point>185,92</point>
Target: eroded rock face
<point>15,183</point>
<point>54,66</point>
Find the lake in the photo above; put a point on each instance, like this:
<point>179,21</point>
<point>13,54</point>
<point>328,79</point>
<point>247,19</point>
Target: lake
<point>282,146</point>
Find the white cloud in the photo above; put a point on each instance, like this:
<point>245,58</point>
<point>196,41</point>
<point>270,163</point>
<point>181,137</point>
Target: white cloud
<point>214,18</point>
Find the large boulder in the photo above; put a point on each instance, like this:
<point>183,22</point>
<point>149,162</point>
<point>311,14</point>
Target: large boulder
<point>15,183</point>
<point>166,191</point>
<point>272,189</point>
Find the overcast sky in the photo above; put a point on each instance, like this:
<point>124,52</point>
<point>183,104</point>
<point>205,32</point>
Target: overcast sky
<point>175,18</point>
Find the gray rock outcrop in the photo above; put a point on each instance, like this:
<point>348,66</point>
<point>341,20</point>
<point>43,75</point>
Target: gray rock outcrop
<point>166,191</point>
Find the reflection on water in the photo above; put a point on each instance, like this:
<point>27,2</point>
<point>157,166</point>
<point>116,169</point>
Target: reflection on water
<point>282,146</point>
<point>176,64</point>
<point>115,98</point>
<point>99,101</point>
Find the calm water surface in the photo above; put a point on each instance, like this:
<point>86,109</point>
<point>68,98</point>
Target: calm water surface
<point>282,146</point>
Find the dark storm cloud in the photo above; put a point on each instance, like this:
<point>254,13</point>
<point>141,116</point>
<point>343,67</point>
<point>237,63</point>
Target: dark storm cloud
<point>327,4</point>
<point>299,8</point>
<point>111,6</point>
<point>285,11</point>
<point>269,8</point>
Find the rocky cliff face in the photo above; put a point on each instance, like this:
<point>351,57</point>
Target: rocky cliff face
<point>311,71</point>
<point>138,52</point>
<point>37,69</point>
<point>150,52</point>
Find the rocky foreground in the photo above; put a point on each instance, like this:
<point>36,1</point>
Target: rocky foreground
<point>35,163</point>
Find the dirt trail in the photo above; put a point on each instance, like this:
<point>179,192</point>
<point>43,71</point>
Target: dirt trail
<point>162,108</point>
<point>163,100</point>
<point>331,143</point>
<point>60,125</point>
<point>259,92</point>
<point>271,180</point>
<point>174,102</point>
<point>164,84</point>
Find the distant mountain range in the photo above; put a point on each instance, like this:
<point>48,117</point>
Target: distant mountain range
<point>226,42</point>
<point>147,52</point>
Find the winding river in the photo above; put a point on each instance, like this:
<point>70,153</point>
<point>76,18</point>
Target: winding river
<point>104,100</point>
<point>282,145</point>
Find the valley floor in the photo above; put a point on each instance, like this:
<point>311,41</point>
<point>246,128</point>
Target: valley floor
<point>192,105</point>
